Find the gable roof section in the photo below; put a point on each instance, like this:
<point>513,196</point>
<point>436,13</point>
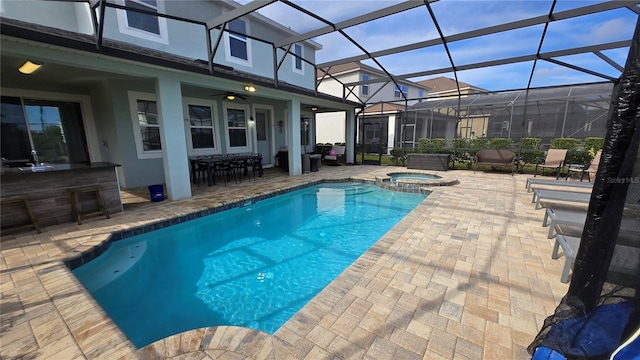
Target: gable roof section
<point>443,83</point>
<point>358,66</point>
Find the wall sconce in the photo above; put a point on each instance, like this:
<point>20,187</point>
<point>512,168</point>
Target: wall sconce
<point>280,125</point>
<point>230,97</point>
<point>251,121</point>
<point>250,88</point>
<point>28,67</point>
<point>314,108</point>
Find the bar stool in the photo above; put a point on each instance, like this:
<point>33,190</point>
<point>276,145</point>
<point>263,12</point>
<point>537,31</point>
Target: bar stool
<point>77,208</point>
<point>21,199</point>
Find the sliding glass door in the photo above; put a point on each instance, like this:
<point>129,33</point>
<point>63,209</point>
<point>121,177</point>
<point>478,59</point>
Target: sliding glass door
<point>54,129</point>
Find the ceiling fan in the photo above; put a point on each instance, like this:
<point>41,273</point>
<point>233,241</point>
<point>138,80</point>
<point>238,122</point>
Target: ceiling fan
<point>230,95</point>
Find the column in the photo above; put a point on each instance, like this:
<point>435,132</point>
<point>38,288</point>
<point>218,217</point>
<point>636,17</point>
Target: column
<point>174,143</point>
<point>350,135</point>
<point>293,137</point>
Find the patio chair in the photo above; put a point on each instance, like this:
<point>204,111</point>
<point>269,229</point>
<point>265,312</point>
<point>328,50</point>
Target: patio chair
<point>591,169</point>
<point>339,152</point>
<point>553,160</point>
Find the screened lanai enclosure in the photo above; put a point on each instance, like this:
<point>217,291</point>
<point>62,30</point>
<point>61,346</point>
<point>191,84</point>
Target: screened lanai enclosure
<point>574,111</point>
<point>575,66</point>
<point>578,111</point>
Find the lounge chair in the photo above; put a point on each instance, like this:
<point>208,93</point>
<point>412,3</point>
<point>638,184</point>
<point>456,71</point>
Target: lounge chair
<point>557,183</point>
<point>339,152</point>
<point>553,160</point>
<point>591,169</point>
<point>570,246</point>
<point>540,195</point>
<point>553,217</point>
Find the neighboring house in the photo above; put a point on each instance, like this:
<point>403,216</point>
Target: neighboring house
<point>138,90</point>
<point>443,87</point>
<point>357,82</point>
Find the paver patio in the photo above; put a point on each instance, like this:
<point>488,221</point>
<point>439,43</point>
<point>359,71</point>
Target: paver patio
<point>468,274</point>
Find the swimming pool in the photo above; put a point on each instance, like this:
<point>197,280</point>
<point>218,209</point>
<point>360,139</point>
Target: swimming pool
<point>253,266</point>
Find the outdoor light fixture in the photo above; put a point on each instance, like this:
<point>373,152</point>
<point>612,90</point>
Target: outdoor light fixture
<point>314,108</point>
<point>28,67</point>
<point>230,97</point>
<point>280,125</point>
<point>250,88</point>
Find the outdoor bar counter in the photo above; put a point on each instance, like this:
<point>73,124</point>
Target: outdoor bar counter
<point>49,192</point>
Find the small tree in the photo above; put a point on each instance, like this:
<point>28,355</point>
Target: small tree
<point>460,143</point>
<point>593,144</point>
<point>530,143</point>
<point>438,143</point>
<point>480,143</point>
<point>500,143</point>
<point>424,145</point>
<point>564,143</point>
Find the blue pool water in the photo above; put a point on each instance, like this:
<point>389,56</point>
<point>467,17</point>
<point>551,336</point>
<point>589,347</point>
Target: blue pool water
<point>253,266</point>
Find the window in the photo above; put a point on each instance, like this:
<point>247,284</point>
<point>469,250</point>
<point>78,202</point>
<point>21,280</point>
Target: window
<point>144,114</point>
<point>297,60</point>
<point>54,129</point>
<point>140,21</point>
<point>202,132</point>
<point>399,90</point>
<point>420,95</point>
<point>365,87</point>
<point>142,25</point>
<point>238,49</point>
<point>237,127</point>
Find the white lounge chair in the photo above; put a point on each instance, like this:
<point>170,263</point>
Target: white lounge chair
<point>553,217</point>
<point>540,195</point>
<point>570,246</point>
<point>558,183</point>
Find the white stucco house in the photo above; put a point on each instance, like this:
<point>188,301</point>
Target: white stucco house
<point>378,121</point>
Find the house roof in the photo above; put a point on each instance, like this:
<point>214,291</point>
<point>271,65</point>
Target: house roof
<point>385,107</point>
<point>443,83</point>
<point>112,48</point>
<point>358,66</point>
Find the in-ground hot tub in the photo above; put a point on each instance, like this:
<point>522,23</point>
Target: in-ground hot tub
<point>413,181</point>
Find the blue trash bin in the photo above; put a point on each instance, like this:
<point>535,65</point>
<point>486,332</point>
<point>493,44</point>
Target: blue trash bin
<point>156,192</point>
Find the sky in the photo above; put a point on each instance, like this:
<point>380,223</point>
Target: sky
<point>458,16</point>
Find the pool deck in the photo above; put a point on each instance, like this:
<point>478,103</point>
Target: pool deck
<point>468,274</point>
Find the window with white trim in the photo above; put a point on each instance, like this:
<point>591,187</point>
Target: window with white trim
<point>365,87</point>
<point>238,47</point>
<point>146,125</point>
<point>202,127</point>
<point>297,60</point>
<point>237,127</point>
<point>420,95</point>
<point>144,26</point>
<point>399,90</point>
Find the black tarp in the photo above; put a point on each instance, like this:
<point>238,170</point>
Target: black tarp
<point>601,308</point>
